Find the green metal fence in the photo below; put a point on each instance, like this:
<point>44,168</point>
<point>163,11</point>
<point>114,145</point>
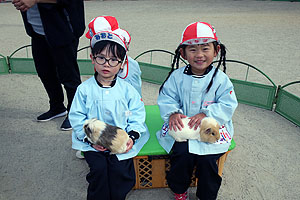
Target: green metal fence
<point>252,93</point>
<point>155,73</point>
<point>247,92</point>
<point>25,64</point>
<point>85,65</point>
<point>3,65</point>
<point>21,65</point>
<point>288,104</point>
<point>260,93</point>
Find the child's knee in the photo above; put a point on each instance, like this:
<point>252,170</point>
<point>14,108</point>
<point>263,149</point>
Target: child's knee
<point>180,149</point>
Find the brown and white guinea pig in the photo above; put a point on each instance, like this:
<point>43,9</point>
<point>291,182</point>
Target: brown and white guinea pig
<point>208,131</point>
<point>111,137</point>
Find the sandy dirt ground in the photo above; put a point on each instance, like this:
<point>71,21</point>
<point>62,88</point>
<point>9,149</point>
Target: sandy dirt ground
<point>37,161</point>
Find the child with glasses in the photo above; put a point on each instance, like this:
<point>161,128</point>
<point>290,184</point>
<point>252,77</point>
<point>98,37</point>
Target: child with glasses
<point>131,72</point>
<point>196,91</point>
<point>110,99</point>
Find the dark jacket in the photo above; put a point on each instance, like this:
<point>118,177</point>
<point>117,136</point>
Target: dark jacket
<point>56,24</point>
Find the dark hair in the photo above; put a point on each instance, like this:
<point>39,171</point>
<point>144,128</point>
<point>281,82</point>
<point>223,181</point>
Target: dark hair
<point>222,61</point>
<point>116,49</point>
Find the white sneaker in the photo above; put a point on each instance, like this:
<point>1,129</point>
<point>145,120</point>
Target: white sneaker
<point>79,154</point>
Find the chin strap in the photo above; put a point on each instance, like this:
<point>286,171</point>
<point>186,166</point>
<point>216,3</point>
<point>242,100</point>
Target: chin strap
<point>124,72</point>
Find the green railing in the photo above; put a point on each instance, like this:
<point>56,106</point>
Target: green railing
<point>255,90</point>
<point>288,104</point>
<point>252,93</point>
<point>155,73</point>
<point>21,65</point>
<point>3,65</point>
<point>85,65</point>
<point>25,65</point>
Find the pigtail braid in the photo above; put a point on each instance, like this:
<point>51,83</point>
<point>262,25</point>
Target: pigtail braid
<point>175,61</point>
<point>176,58</point>
<point>223,56</point>
<point>222,61</point>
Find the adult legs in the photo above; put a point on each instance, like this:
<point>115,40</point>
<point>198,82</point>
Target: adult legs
<point>46,69</point>
<point>67,69</point>
<point>56,66</point>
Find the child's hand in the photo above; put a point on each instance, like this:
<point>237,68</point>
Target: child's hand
<point>99,147</point>
<point>129,145</point>
<point>176,122</point>
<point>196,120</point>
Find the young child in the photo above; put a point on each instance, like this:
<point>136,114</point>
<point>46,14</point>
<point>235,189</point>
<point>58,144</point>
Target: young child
<point>131,73</point>
<point>196,91</point>
<point>108,98</point>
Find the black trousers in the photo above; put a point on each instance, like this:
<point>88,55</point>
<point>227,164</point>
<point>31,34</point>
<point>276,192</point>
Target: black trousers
<point>56,66</point>
<point>181,171</point>
<point>109,178</point>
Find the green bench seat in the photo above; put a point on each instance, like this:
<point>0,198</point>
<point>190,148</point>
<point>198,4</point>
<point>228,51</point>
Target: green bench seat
<point>154,123</point>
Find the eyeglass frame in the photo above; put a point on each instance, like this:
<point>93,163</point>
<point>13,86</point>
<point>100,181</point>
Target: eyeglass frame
<point>106,61</point>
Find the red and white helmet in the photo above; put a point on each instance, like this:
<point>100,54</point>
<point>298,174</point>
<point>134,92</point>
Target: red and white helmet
<point>109,36</point>
<point>123,33</point>
<point>198,33</point>
<point>101,23</point>
<point>107,28</point>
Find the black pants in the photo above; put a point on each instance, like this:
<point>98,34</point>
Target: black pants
<point>56,66</point>
<point>182,166</point>
<point>109,178</point>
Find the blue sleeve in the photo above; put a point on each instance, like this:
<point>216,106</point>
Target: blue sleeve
<point>137,115</point>
<point>134,75</point>
<point>222,110</point>
<point>78,114</point>
<point>168,99</point>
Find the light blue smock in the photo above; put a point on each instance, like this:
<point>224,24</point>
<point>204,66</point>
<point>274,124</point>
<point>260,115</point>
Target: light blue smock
<point>186,94</point>
<point>134,75</point>
<point>120,105</point>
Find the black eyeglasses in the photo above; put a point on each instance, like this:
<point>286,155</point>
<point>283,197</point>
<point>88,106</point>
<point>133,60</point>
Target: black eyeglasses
<point>101,60</point>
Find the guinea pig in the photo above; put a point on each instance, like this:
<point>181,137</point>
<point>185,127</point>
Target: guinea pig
<point>208,131</point>
<point>111,137</point>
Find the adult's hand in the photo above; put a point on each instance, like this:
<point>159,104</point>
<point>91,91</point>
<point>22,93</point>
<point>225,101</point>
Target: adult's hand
<point>24,5</point>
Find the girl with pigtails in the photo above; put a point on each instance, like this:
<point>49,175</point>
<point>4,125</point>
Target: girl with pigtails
<point>196,91</point>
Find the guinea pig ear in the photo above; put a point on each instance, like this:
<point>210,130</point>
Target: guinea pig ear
<point>87,130</point>
<point>85,126</point>
<point>208,131</point>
